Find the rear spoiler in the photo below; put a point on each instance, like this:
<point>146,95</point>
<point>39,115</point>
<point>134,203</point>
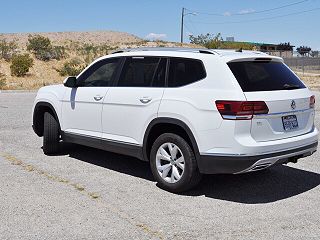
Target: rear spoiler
<point>258,59</point>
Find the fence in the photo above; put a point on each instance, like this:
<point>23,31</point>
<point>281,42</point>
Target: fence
<point>304,65</point>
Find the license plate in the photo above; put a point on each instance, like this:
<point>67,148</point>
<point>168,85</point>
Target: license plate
<point>290,122</point>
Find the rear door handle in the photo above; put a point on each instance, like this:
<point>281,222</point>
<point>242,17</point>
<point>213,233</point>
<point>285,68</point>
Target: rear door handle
<point>98,98</point>
<point>145,100</point>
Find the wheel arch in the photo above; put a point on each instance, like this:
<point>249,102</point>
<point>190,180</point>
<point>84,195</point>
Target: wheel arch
<point>38,116</point>
<point>163,125</point>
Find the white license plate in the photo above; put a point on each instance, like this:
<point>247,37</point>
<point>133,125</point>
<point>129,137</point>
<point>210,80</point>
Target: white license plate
<point>290,122</point>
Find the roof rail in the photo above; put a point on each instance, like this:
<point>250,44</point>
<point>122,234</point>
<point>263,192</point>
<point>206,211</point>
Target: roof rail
<point>199,50</point>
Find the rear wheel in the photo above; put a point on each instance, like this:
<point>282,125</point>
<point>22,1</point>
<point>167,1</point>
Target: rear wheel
<point>51,134</point>
<point>173,163</point>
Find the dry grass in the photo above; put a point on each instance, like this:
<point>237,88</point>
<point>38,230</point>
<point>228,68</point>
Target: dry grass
<point>313,82</point>
<point>41,74</point>
<point>62,38</point>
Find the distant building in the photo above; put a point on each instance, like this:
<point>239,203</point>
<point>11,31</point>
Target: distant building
<point>280,50</point>
<point>229,39</point>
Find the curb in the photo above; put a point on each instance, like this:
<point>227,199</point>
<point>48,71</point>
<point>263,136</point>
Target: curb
<point>18,91</point>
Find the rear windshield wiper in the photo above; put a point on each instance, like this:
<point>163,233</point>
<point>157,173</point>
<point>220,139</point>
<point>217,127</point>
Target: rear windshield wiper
<point>290,86</point>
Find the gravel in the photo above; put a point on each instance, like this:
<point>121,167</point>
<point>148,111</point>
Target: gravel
<point>89,194</point>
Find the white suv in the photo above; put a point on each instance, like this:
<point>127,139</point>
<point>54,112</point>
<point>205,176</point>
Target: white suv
<point>186,111</point>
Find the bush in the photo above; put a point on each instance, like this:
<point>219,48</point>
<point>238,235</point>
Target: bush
<point>91,52</point>
<point>2,80</point>
<point>20,65</point>
<point>216,42</point>
<point>71,68</point>
<point>43,50</point>
<point>38,43</point>
<point>43,55</point>
<point>58,52</point>
<point>7,49</point>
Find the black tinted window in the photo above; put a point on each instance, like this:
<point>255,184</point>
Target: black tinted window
<point>143,72</point>
<point>264,76</point>
<point>184,71</point>
<point>99,74</point>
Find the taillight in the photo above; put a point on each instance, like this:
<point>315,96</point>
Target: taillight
<point>241,110</point>
<point>312,101</point>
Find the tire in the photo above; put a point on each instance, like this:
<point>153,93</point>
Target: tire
<point>51,134</point>
<point>160,163</point>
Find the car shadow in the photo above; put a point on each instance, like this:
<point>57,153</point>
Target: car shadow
<point>271,185</point>
<point>116,162</point>
<point>274,184</point>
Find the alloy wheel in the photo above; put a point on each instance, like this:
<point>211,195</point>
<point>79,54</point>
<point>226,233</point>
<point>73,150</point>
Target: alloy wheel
<point>170,162</point>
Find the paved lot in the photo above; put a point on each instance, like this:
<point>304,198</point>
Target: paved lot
<point>90,194</point>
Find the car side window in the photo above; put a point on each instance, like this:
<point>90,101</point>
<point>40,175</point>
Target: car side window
<point>100,74</point>
<point>143,72</point>
<point>184,71</point>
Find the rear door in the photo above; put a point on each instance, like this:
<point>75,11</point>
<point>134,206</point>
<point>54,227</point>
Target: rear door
<point>287,98</point>
<point>134,101</point>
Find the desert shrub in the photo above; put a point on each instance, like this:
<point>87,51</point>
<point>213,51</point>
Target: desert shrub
<point>216,42</point>
<point>58,52</point>
<point>139,43</point>
<point>20,65</point>
<point>2,80</point>
<point>43,55</point>
<point>204,39</point>
<point>40,46</point>
<point>71,68</point>
<point>91,52</point>
<point>43,50</point>
<point>37,43</point>
<point>237,45</point>
<point>106,49</point>
<point>7,49</point>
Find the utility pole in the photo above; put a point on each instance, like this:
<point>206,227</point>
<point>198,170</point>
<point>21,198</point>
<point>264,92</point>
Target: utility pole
<point>183,13</point>
<point>182,16</point>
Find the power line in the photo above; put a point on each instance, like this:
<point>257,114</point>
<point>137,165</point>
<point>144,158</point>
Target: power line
<point>250,12</point>
<point>259,19</point>
<point>189,29</point>
<point>193,26</point>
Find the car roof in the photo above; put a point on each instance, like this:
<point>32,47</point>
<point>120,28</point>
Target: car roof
<point>226,55</point>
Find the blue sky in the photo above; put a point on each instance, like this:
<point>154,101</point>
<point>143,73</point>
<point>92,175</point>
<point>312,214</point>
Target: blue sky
<point>242,19</point>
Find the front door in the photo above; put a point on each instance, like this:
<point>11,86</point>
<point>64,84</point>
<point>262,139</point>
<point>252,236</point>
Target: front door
<point>82,106</point>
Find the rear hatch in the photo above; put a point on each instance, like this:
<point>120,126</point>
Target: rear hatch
<point>287,98</point>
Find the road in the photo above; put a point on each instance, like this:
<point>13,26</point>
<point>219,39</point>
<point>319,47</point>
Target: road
<point>89,194</point>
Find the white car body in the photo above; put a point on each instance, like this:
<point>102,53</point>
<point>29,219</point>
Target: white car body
<point>123,114</point>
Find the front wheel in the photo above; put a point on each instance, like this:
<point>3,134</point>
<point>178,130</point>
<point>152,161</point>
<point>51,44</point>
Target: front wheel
<point>173,163</point>
<point>51,134</point>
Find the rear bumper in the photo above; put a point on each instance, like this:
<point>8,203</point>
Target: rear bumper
<point>214,164</point>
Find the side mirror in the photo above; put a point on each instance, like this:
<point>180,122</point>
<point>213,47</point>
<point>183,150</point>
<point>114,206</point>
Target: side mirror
<point>70,82</point>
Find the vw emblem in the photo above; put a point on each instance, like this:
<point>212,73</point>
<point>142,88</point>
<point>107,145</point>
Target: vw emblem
<point>293,105</point>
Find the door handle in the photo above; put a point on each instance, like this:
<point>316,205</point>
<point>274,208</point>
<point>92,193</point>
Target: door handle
<point>97,98</point>
<point>145,100</point>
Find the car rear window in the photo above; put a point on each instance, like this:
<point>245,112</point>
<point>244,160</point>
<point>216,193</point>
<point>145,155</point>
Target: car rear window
<point>184,71</point>
<point>256,76</point>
